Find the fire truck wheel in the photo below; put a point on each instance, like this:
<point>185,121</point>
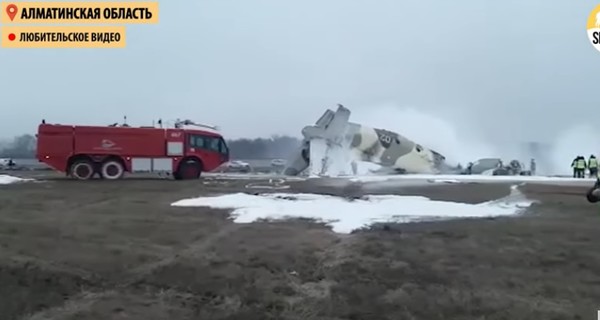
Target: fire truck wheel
<point>190,169</point>
<point>112,170</point>
<point>82,170</point>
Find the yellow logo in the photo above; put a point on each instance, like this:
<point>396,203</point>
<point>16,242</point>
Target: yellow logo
<point>71,13</point>
<point>593,27</point>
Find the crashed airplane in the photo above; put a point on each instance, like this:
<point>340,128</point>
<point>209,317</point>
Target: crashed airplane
<point>333,146</point>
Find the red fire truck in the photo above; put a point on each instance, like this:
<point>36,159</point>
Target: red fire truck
<point>83,152</point>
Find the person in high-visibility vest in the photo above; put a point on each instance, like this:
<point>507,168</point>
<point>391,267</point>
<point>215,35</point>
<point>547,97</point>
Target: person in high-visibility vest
<point>593,166</point>
<point>574,166</point>
<point>581,166</point>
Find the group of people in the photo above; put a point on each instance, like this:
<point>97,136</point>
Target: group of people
<point>580,165</point>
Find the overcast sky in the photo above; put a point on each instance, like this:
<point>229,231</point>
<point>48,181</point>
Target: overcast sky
<point>265,67</point>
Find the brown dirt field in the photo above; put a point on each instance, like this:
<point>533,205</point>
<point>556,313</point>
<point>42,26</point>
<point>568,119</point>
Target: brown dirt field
<point>118,250</point>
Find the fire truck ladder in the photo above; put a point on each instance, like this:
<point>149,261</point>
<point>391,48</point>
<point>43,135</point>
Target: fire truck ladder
<point>181,123</point>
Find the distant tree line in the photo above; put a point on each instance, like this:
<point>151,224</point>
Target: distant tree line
<point>263,148</point>
<point>23,147</point>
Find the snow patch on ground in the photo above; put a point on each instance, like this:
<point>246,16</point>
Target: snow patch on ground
<point>467,178</point>
<point>444,180</point>
<point>249,176</point>
<point>275,184</point>
<point>6,179</point>
<point>345,215</point>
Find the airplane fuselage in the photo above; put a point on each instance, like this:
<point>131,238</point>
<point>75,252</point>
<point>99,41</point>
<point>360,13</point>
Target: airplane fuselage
<point>335,139</point>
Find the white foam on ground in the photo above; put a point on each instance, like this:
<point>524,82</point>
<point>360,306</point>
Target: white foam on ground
<point>273,184</point>
<point>344,215</point>
<point>249,176</point>
<point>445,181</point>
<point>469,178</point>
<point>6,179</point>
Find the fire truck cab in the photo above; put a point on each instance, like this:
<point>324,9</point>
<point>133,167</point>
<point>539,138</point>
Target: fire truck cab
<point>83,152</point>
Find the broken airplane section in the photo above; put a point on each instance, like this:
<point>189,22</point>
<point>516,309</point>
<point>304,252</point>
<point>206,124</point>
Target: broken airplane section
<point>333,146</point>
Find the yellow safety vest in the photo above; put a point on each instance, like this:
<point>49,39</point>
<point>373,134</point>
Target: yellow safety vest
<point>593,163</point>
<point>580,164</point>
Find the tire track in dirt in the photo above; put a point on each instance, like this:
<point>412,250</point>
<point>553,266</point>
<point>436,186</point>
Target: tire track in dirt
<point>196,248</point>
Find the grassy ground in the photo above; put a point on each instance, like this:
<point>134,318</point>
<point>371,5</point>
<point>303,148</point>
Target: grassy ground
<point>117,250</point>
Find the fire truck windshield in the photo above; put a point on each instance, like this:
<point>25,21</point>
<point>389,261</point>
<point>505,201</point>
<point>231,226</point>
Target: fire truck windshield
<point>216,144</point>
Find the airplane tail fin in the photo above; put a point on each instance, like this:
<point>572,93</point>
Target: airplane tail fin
<point>325,147</point>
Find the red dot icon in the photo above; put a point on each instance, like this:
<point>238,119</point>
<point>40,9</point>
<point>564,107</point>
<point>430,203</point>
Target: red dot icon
<point>12,37</point>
